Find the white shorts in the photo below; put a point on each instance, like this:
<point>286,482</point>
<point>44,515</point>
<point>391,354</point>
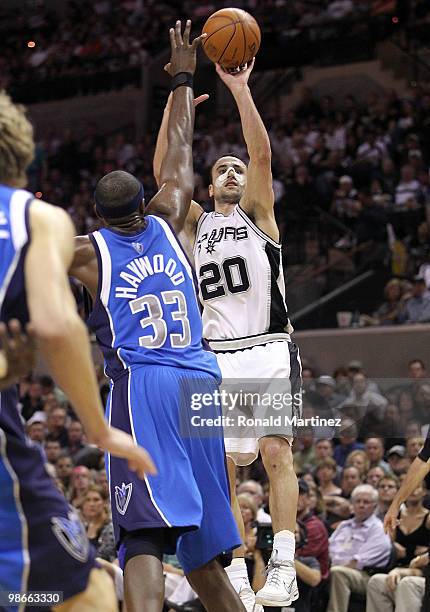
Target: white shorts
<point>268,372</point>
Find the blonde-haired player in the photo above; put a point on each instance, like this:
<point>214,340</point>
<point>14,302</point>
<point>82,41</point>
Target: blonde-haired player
<point>47,549</point>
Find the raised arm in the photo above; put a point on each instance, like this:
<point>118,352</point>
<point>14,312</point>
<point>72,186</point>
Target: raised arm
<point>61,333</point>
<point>258,199</point>
<point>176,172</point>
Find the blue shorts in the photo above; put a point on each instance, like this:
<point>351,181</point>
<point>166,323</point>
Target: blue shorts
<point>190,492</point>
<point>43,546</point>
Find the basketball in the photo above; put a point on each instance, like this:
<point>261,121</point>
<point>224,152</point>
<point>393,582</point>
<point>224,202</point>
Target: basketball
<point>233,37</point>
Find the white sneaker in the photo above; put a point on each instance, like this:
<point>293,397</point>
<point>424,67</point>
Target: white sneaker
<point>281,584</point>
<point>247,597</point>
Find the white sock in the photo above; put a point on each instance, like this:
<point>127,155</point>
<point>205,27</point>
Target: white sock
<point>285,543</point>
<point>237,572</point>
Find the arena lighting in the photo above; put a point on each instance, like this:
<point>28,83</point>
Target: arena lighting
<point>31,44</point>
<point>395,19</point>
<point>38,194</point>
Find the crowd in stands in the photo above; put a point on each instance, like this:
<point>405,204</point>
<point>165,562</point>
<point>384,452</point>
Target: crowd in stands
<point>348,478</point>
<point>85,47</point>
<point>362,166</point>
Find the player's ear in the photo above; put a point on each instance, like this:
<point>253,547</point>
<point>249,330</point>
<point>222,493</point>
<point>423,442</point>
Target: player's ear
<point>97,214</point>
<point>211,191</point>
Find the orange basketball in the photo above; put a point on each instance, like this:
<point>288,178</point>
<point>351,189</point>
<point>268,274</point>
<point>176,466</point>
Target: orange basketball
<point>233,37</point>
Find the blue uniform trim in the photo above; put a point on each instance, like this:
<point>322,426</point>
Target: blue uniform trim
<point>14,556</point>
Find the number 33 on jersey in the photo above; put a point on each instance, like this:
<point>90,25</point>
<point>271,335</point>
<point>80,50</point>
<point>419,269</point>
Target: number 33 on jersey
<point>147,303</point>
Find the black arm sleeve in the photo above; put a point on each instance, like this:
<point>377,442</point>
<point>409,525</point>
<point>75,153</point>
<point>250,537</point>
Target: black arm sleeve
<point>424,454</point>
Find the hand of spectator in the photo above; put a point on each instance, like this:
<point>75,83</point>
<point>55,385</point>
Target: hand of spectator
<point>238,78</point>
<point>184,53</point>
<point>419,561</point>
<point>121,444</point>
<point>250,542</point>
<point>421,550</point>
<point>393,578</point>
<point>17,352</point>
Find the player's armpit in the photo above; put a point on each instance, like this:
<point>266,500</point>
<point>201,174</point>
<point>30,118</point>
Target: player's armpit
<point>84,266</point>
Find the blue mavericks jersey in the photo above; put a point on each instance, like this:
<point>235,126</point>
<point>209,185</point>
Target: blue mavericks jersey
<point>146,312</point>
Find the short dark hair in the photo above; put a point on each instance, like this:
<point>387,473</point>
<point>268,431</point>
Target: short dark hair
<point>116,189</point>
<point>420,361</point>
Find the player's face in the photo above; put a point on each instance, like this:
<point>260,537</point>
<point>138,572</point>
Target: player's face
<point>228,180</point>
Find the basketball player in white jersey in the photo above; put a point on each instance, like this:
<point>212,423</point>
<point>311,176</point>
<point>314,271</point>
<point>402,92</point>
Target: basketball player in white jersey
<point>238,260</point>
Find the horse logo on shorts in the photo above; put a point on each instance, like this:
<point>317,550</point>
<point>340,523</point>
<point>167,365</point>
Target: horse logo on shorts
<point>71,534</point>
<point>122,497</point>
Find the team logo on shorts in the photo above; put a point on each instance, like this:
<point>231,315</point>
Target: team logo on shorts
<point>71,534</point>
<point>138,247</point>
<point>122,497</point>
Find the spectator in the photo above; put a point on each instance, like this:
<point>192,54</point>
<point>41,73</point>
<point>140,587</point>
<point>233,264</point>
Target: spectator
<point>413,447</point>
<point>417,307</point>
<point>305,457</point>
<point>348,442</point>
<point>397,459</point>
<point>350,480</point>
<point>366,400</point>
<point>32,400</point>
<point>407,190</point>
<point>56,426</point>
<point>374,476</point>
<point>52,451</point>
<point>417,369</point>
<point>358,459</point>
<point>98,526</point>
<point>356,544</point>
<point>326,387</point>
<point>75,438</point>
<point>374,448</point>
<point>64,467</point>
<point>325,473</point>
<point>254,490</point>
<point>36,430</point>
<point>248,509</point>
<point>81,480</point>
<point>317,539</point>
<point>391,311</point>
<point>387,489</point>
<point>413,531</point>
<point>401,589</point>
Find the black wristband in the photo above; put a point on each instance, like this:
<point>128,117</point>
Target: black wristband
<point>182,78</point>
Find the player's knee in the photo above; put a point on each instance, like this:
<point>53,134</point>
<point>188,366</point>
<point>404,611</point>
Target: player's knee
<point>275,451</point>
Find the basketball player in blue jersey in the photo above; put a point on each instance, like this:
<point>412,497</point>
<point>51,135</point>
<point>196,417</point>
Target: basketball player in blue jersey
<point>238,259</point>
<point>43,546</point>
<point>147,322</point>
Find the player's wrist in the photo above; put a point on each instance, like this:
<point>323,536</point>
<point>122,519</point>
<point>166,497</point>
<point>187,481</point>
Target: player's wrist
<point>182,79</point>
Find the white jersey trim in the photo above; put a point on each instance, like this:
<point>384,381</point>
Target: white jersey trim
<point>237,344</point>
<point>19,233</point>
<point>106,273</point>
<point>174,242</point>
<point>133,433</point>
<point>20,511</point>
<point>256,229</point>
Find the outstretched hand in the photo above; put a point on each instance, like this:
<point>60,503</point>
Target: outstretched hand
<point>183,53</point>
<point>120,444</point>
<point>391,521</point>
<point>238,77</point>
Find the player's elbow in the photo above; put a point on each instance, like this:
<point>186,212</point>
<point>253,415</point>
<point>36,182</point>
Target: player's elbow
<point>54,328</point>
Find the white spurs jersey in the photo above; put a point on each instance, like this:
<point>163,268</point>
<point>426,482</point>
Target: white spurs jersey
<point>241,282</point>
